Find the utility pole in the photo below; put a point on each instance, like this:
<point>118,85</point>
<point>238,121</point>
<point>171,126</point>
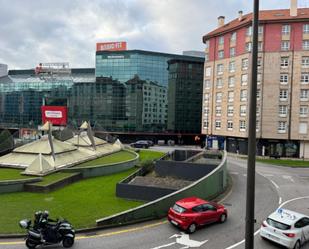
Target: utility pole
<point>250,200</point>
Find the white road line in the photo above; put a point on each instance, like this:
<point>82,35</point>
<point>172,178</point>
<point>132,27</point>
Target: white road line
<point>267,175</point>
<point>167,245</point>
<point>280,200</point>
<point>288,178</point>
<point>275,184</point>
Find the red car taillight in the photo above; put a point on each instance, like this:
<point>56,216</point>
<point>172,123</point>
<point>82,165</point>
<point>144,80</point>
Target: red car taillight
<point>264,224</point>
<point>290,235</point>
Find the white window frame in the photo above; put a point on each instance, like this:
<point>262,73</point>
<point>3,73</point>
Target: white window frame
<point>243,110</point>
<point>286,29</point>
<point>218,111</point>
<point>232,52</point>
<point>306,28</point>
<point>207,84</point>
<point>249,31</point>
<point>243,95</point>
<point>242,125</point>
<point>230,125</point>
<point>248,46</point>
<point>206,97</point>
<point>206,111</point>
<point>258,94</point>
<point>305,61</point>
<point>284,62</point>
<point>261,30</point>
<point>303,111</point>
<point>283,95</point>
<point>221,40</point>
<point>230,110</point>
<point>220,69</point>
<point>219,83</point>
<point>282,127</point>
<point>232,66</point>
<point>283,111</point>
<point>218,124</point>
<point>305,44</point>
<point>304,94</point>
<point>233,37</point>
<point>304,78</point>
<point>219,96</point>
<point>284,78</point>
<point>259,78</point>
<point>221,54</point>
<point>244,64</point>
<point>208,71</point>
<point>206,124</point>
<point>231,81</point>
<point>244,79</point>
<point>230,95</point>
<point>285,45</point>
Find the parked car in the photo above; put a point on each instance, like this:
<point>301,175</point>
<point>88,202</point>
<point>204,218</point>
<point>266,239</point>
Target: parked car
<point>140,144</point>
<point>286,227</point>
<point>193,212</point>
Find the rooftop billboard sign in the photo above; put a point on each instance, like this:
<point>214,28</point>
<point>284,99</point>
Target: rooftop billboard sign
<point>111,46</point>
<point>57,115</point>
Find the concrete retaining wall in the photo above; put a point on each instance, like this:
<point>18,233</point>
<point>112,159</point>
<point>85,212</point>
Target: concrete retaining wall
<point>106,169</point>
<point>207,187</point>
<point>53,186</point>
<point>16,185</point>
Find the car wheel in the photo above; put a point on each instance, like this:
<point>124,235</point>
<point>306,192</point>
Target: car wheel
<point>297,245</point>
<point>222,218</point>
<point>191,228</point>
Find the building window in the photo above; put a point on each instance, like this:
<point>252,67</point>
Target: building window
<point>304,95</point>
<point>244,64</point>
<point>219,83</point>
<point>218,124</point>
<point>207,84</point>
<point>232,52</point>
<point>260,46</point>
<point>304,78</point>
<point>206,111</point>
<point>303,128</point>
<point>257,125</point>
<point>285,45</point>
<point>305,61</point>
<point>259,62</point>
<point>243,95</point>
<point>244,79</point>
<point>306,44</point>
<point>231,82</point>
<point>218,110</point>
<point>258,93</point>
<point>230,96</point>
<point>220,54</point>
<point>208,71</point>
<point>281,127</point>
<point>220,69</point>
<point>259,78</point>
<point>306,28</point>
<point>243,110</point>
<point>230,125</point>
<point>286,29</point>
<point>230,110</point>
<point>233,37</point>
<point>218,97</point>
<point>261,29</point>
<point>303,111</point>
<point>248,46</point>
<point>221,40</point>
<point>232,66</point>
<point>206,97</point>
<point>284,62</point>
<point>283,95</point>
<point>206,124</point>
<point>258,110</point>
<point>249,31</point>
<point>283,110</point>
<point>206,57</point>
<point>242,125</point>
<point>284,79</point>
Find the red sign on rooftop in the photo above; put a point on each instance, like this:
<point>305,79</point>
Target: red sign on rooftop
<point>111,46</point>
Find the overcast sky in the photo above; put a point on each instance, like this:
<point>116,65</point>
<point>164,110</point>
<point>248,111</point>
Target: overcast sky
<point>33,31</point>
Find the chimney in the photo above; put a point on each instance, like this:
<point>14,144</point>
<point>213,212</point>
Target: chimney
<point>220,21</point>
<point>293,8</point>
<point>240,15</point>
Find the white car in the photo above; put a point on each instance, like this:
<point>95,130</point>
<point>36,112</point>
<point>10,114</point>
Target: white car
<point>287,228</point>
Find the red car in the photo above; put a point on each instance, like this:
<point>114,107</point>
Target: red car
<point>192,212</point>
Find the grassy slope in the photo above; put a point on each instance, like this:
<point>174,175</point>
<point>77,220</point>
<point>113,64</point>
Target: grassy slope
<point>12,174</point>
<point>113,158</point>
<point>145,155</point>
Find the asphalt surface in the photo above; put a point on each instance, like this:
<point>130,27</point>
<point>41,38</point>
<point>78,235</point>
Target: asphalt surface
<point>274,186</point>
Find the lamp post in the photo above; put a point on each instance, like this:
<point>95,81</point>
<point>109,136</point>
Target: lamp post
<point>250,198</point>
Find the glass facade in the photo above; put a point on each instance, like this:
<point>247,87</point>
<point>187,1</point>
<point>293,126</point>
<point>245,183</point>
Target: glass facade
<point>185,92</point>
<point>128,91</point>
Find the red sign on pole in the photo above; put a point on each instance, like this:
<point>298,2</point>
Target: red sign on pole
<point>111,46</point>
<point>57,115</point>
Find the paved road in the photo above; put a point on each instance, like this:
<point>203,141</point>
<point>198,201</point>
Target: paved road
<point>274,185</point>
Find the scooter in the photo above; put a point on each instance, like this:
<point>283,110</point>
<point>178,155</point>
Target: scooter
<point>47,233</point>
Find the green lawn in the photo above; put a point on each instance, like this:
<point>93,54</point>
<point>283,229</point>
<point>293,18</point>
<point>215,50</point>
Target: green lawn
<point>81,203</point>
<point>12,174</point>
<point>53,178</point>
<point>113,158</point>
<point>283,162</point>
<point>146,155</point>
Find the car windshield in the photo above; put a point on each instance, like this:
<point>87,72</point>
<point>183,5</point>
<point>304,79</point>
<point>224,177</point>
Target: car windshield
<point>179,209</point>
<point>278,224</point>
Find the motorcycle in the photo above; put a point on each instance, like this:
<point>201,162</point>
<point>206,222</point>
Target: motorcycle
<point>48,232</point>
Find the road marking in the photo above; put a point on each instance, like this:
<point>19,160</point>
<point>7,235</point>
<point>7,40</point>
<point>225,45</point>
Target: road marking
<point>12,243</point>
<point>280,200</point>
<point>275,184</point>
<point>184,240</point>
<point>288,178</point>
<point>267,175</point>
